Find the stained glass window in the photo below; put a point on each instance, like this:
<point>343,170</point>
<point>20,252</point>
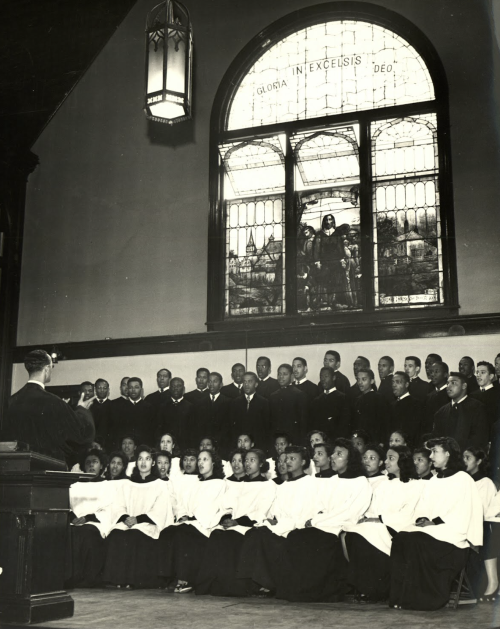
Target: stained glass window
<point>354,199</point>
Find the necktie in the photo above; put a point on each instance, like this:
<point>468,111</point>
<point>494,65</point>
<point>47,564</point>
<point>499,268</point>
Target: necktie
<point>483,390</point>
<point>248,401</point>
<point>213,398</point>
<point>296,383</point>
<point>102,401</point>
<point>399,399</point>
<point>455,408</point>
<point>161,390</point>
<point>175,402</point>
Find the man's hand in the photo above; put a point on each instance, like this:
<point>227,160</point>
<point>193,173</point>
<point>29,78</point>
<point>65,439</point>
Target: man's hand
<point>227,524</point>
<point>85,403</point>
<point>79,521</point>
<point>308,524</point>
<point>130,521</point>
<point>272,521</point>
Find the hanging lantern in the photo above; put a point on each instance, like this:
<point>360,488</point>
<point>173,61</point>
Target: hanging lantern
<point>169,63</point>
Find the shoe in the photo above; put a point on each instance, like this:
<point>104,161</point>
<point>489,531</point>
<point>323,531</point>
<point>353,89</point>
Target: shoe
<point>490,598</point>
<point>183,589</point>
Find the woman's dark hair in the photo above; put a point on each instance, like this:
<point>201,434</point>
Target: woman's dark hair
<point>217,470</point>
<point>455,462</point>
<point>280,434</point>
<point>324,437</point>
<point>304,453</point>
<point>405,462</point>
<point>480,453</point>
<point>376,448</point>
<point>136,475</point>
<point>240,451</point>
<point>276,463</point>
<point>189,452</point>
<point>327,446</point>
<point>212,441</point>
<point>128,435</point>
<point>361,434</point>
<point>175,448</point>
<point>163,453</point>
<point>264,465</point>
<point>100,454</point>
<point>117,454</point>
<point>423,451</point>
<point>355,465</point>
<point>403,434</point>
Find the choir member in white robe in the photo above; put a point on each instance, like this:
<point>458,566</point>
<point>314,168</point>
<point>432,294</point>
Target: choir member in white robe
<point>197,515</point>
<point>281,473</point>
<point>244,504</point>
<point>313,565</point>
<point>368,542</point>
<point>313,438</point>
<point>145,509</point>
<point>373,462</point>
<point>423,464</point>
<point>322,453</point>
<point>482,566</point>
<point>117,466</point>
<point>427,556</point>
<point>281,440</point>
<point>209,443</point>
<point>297,500</point>
<point>236,459</point>
<point>168,443</point>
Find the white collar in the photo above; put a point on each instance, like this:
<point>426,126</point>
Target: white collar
<point>249,396</point>
<point>238,386</point>
<point>414,378</point>
<point>214,396</point>
<point>328,391</point>
<point>177,401</point>
<point>165,389</point>
<point>202,390</point>
<point>441,388</point>
<point>488,386</point>
<point>36,382</point>
<point>134,403</point>
<point>300,381</point>
<point>329,231</point>
<point>453,403</point>
<point>402,397</point>
<point>264,379</point>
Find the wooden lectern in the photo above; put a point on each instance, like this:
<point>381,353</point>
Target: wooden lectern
<point>34,507</point>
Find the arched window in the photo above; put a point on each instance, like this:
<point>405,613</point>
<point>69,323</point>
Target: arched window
<point>330,183</point>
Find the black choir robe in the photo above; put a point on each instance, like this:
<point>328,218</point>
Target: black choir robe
<point>231,391</point>
<point>310,389</point>
<point>491,400</point>
<point>196,395</point>
<point>157,398</point>
<point>419,389</point>
<point>468,424</point>
<point>100,413</point>
<point>435,400</point>
<point>330,413</point>
<point>385,388</point>
<point>254,420</point>
<point>472,384</point>
<point>407,415</point>
<point>212,418</point>
<point>342,383</point>
<point>288,407</point>
<point>127,417</point>
<point>46,423</point>
<point>267,387</point>
<point>371,413</point>
<point>179,419</point>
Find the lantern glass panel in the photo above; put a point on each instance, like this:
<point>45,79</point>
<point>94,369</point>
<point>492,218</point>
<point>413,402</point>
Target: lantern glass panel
<point>155,66</point>
<point>176,61</point>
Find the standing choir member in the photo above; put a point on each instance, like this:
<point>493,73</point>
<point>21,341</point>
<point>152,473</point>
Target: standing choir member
<point>368,542</point>
<point>313,566</point>
<point>288,407</point>
<point>488,394</point>
<point>438,397</point>
<point>299,367</point>
<point>427,556</point>
<point>386,373</point>
<point>297,500</point>
<point>162,394</point>
<point>212,413</point>
<point>177,416</point>
<point>134,415</point>
<point>235,389</point>
<point>330,411</point>
<point>198,515</point>
<point>466,368</point>
<point>244,504</point>
<point>144,507</point>
<point>418,388</point>
<point>371,411</point>
<point>267,384</point>
<point>332,360</point>
<point>407,411</point>
<point>201,391</point>
<point>249,413</point>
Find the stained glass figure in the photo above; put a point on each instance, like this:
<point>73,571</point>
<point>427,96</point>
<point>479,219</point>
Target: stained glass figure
<point>407,231</point>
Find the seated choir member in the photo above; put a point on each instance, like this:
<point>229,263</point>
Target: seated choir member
<point>163,461</point>
<point>476,464</point>
<point>236,458</point>
<point>426,557</point>
<point>128,444</point>
<point>144,510</point>
<point>168,444</point>
<point>245,441</point>
<point>313,567</point>
<point>296,501</point>
<point>368,542</point>
<point>281,440</point>
<point>209,443</point>
<point>117,466</point>
<point>281,470</point>
<point>90,504</point>
<point>246,504</point>
<point>399,438</point>
<point>422,463</point>
<point>314,437</point>
<point>373,462</point>
<point>197,514</point>
<point>321,459</point>
<point>360,439</point>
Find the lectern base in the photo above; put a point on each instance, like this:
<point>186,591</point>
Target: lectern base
<point>37,608</point>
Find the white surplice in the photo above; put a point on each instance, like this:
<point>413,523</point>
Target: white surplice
<point>96,498</point>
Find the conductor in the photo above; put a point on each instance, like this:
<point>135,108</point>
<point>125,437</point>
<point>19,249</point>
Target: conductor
<point>43,420</point>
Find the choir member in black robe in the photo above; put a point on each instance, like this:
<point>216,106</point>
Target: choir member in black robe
<point>201,391</point>
<point>100,410</point>
<point>86,546</point>
<point>159,397</point>
<point>386,373</point>
<point>299,367</point>
<point>288,407</point>
<point>213,413</point>
<point>418,387</point>
<point>267,384</point>
<point>177,416</point>
<point>464,418</point>
<point>250,413</point>
<point>438,397</point>
<point>235,389</point>
<point>322,453</point>
<point>422,463</point>
<point>133,415</point>
<point>371,411</point>
<point>244,506</point>
<point>313,566</point>
<point>330,411</point>
<point>332,360</point>
<point>407,412</point>
<point>427,556</point>
<point>146,509</point>
<point>117,466</point>
<point>368,542</point>
<point>488,394</point>
<point>466,368</point>
<point>429,361</point>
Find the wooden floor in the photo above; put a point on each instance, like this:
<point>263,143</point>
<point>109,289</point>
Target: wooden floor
<point>154,609</point>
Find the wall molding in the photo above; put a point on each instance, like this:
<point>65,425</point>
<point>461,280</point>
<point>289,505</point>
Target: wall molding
<point>310,334</point>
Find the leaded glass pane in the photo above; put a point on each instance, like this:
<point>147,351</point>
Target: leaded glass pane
<point>328,251</point>
<point>328,69</point>
<point>326,157</point>
<point>255,256</point>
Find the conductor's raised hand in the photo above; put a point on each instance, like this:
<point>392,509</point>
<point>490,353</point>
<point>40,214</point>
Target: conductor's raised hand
<point>85,403</point>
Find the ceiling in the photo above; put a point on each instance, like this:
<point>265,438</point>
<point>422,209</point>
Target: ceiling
<point>45,48</point>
